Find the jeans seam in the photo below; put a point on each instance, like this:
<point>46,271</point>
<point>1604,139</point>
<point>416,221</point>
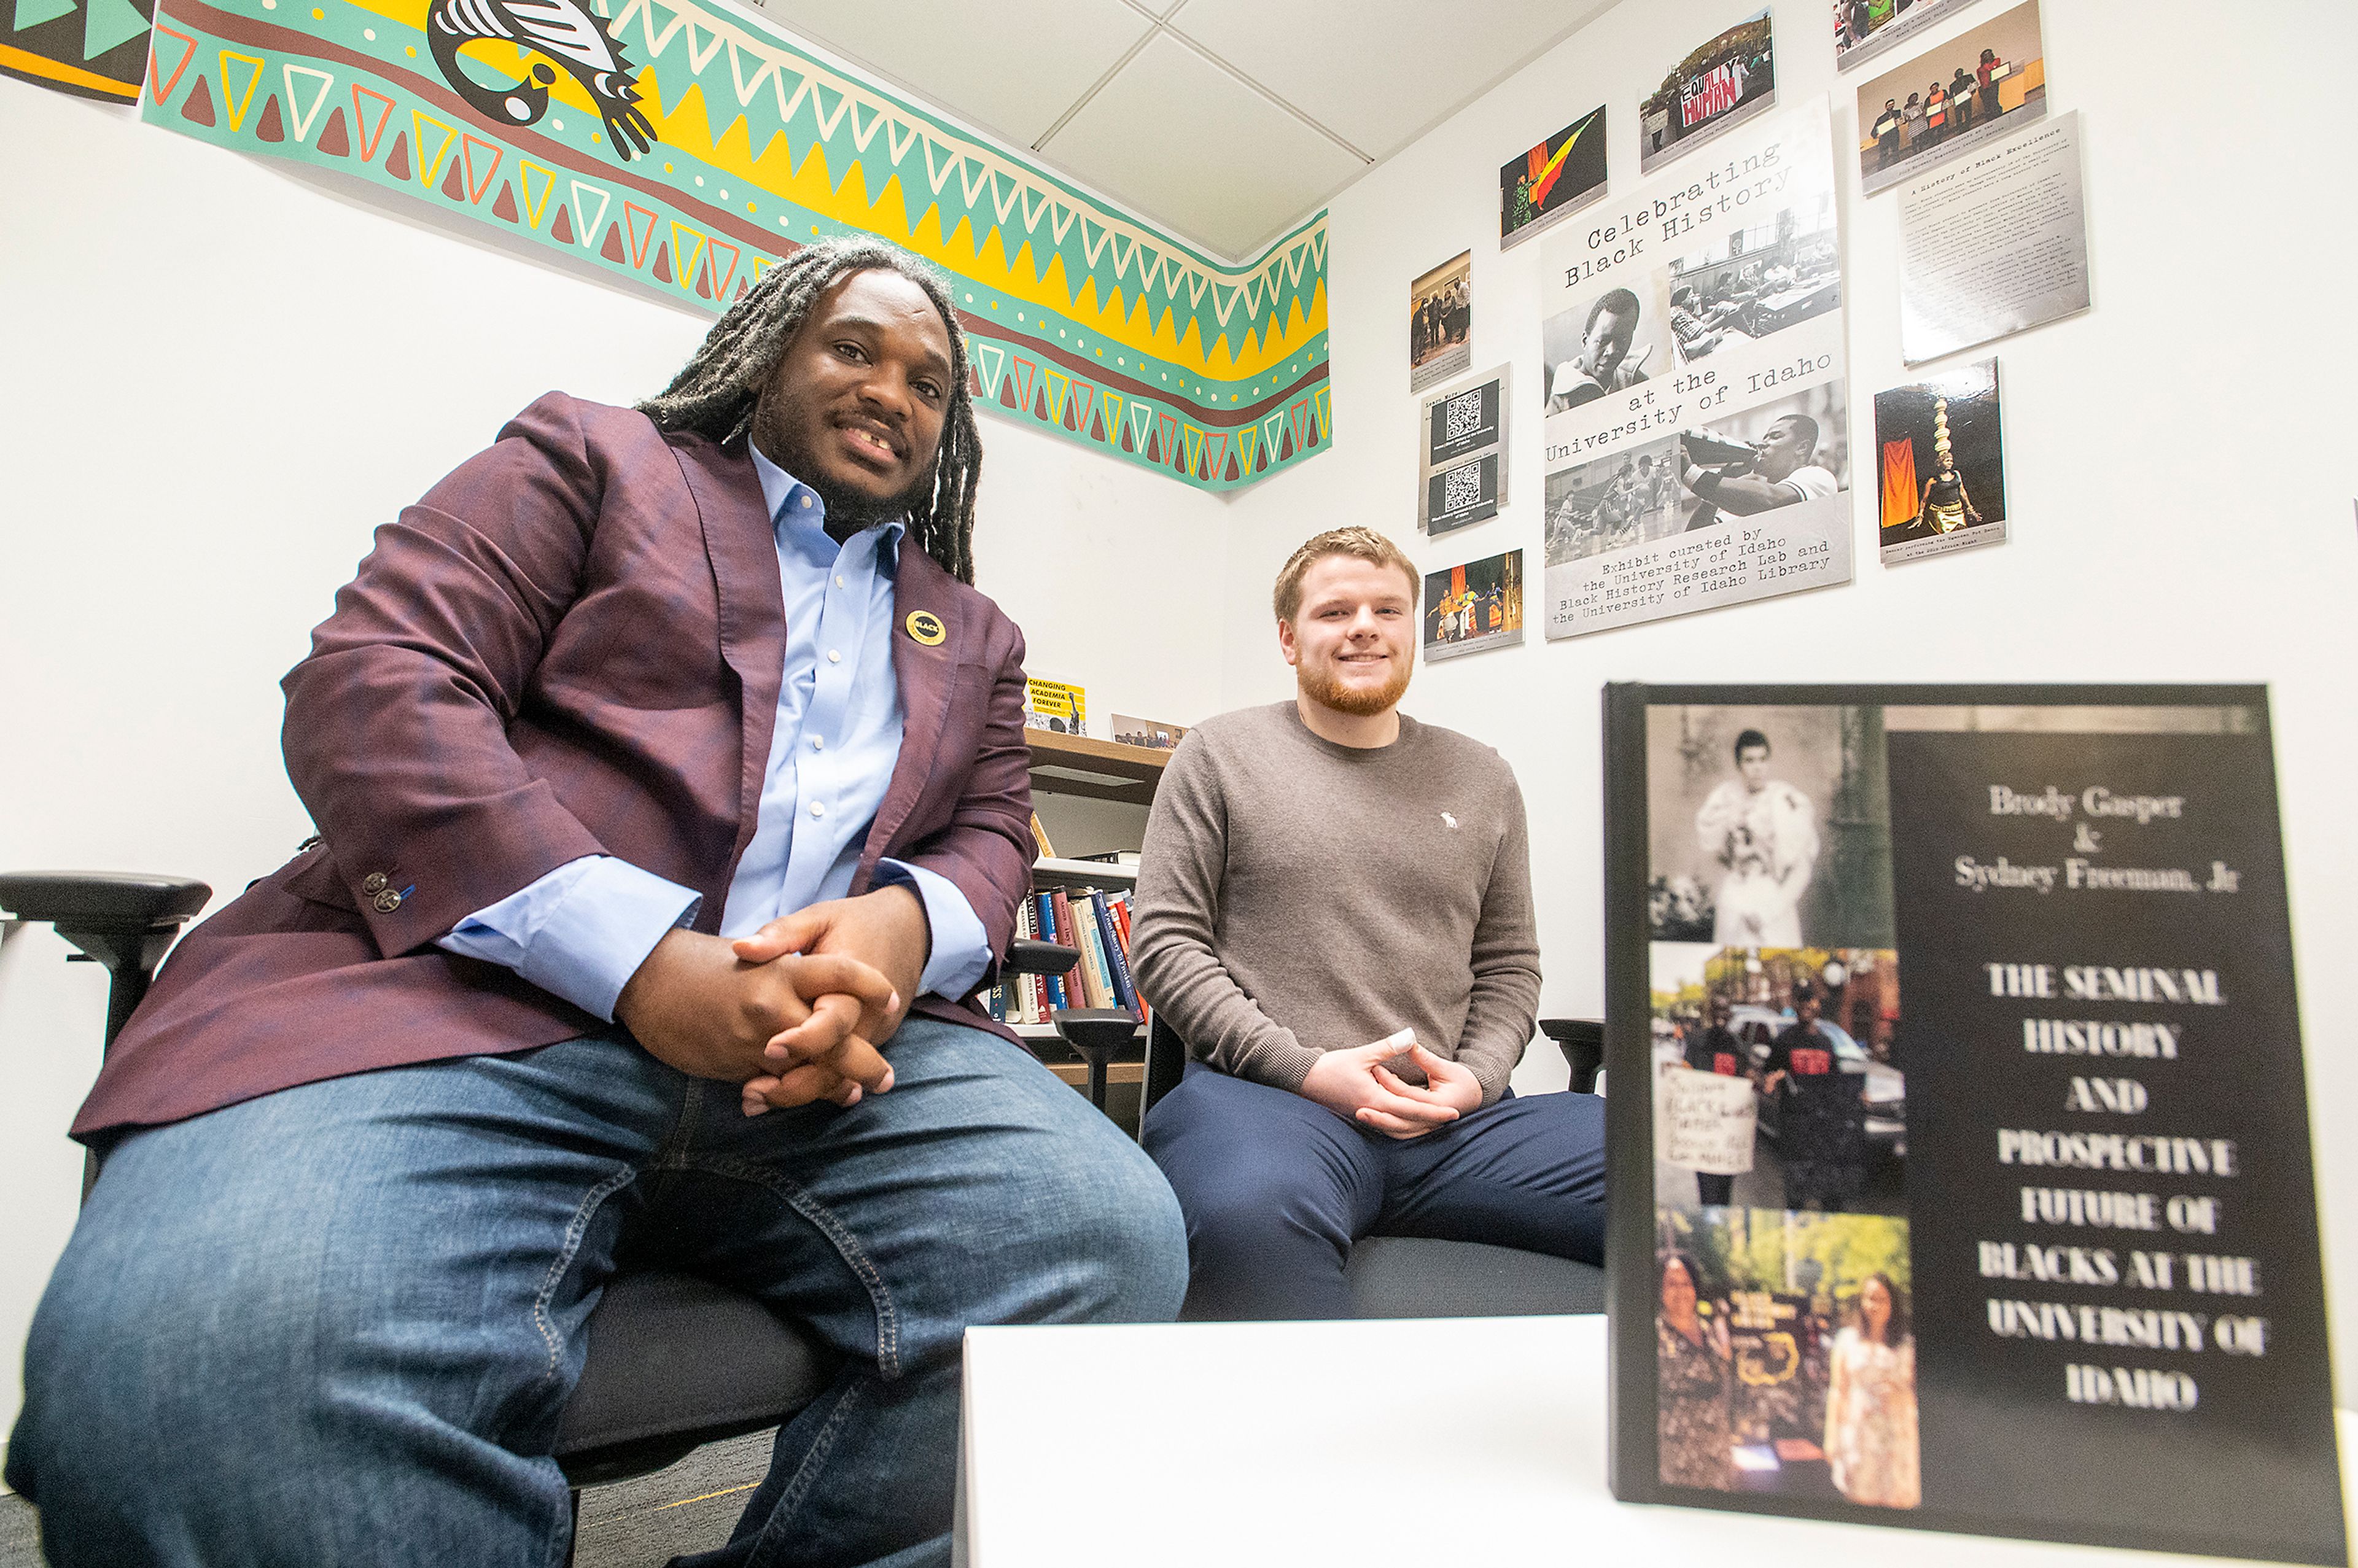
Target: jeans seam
<point>797,1198</point>
<point>771,1539</point>
<point>574,1231</point>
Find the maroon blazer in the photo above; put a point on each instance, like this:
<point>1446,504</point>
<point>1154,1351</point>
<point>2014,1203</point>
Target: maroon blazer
<point>571,646</point>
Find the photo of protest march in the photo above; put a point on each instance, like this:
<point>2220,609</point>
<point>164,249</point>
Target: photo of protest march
<point>1780,454</point>
<point>1723,82</point>
<point>1441,322</point>
<point>1629,497</point>
<point>1754,282</point>
<point>1778,1082</point>
<point>1986,83</point>
<point>1768,826</point>
<point>1784,1356</point>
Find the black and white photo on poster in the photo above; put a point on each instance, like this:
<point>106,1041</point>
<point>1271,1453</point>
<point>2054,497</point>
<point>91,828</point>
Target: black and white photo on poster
<point>1441,322</point>
<point>1986,83</point>
<point>1994,243</point>
<point>1552,180</point>
<point>1741,395</point>
<point>1473,607</point>
<point>1720,83</point>
<point>1866,28</point>
<point>1755,280</point>
<point>1941,461</point>
<point>1461,448</point>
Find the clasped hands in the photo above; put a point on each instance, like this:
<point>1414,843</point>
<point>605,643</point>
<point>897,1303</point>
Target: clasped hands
<point>1360,1086</point>
<point>795,1012</point>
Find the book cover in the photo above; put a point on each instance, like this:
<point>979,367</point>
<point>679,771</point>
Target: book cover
<point>1962,1171</point>
<point>1057,706</point>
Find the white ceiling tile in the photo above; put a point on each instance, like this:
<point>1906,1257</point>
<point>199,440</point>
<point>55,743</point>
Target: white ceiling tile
<point>1191,147</point>
<point>1377,72</point>
<point>1012,67</point>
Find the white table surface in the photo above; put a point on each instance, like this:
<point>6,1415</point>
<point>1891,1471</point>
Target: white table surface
<point>1436,1444</point>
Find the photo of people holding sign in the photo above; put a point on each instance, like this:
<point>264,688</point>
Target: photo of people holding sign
<point>2023,1239</point>
<point>1722,83</point>
<point>1698,327</point>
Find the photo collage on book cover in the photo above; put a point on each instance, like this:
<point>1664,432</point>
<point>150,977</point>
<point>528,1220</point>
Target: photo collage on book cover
<point>1780,1147</point>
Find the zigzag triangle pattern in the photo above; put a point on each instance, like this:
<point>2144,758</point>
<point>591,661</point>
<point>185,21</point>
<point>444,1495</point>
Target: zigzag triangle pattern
<point>1079,320</point>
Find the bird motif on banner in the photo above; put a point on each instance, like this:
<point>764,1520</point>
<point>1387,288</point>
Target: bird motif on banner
<point>564,32</point>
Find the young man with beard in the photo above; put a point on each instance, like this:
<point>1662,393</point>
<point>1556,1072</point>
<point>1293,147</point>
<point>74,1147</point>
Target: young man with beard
<point>671,778</point>
<point>1335,911</point>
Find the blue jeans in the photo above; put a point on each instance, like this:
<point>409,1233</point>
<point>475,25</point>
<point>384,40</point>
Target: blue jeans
<point>1276,1187</point>
<point>337,1324</point>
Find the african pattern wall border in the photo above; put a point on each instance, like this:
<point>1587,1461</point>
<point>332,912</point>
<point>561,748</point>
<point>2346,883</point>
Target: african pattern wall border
<point>1082,319</point>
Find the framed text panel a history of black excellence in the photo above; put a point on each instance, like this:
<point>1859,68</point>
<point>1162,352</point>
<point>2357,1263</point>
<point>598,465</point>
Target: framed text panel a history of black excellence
<point>1962,1174</point>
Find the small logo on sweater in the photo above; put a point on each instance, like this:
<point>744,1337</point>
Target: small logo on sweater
<point>1451,820</point>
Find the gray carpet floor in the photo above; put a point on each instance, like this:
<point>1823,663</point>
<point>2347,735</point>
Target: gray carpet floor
<point>630,1524</point>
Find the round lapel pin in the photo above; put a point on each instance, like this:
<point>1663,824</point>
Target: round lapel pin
<point>925,627</point>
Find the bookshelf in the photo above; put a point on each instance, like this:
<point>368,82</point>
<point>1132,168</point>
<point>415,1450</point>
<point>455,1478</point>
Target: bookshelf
<point>1095,771</point>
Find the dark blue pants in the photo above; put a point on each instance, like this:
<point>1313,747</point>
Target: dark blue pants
<point>1275,1188</point>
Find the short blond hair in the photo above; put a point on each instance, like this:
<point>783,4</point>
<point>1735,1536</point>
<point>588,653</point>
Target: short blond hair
<point>1365,544</point>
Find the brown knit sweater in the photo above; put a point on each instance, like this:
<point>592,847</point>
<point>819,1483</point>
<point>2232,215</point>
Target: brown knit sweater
<point>1298,896</point>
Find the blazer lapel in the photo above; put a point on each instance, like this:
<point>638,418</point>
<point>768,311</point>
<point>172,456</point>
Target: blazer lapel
<point>743,553</point>
<point>924,674</point>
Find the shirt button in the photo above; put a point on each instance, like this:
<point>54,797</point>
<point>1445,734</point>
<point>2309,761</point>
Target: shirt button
<point>833,657</point>
<point>819,743</point>
<point>818,809</point>
<point>806,501</point>
<point>838,579</point>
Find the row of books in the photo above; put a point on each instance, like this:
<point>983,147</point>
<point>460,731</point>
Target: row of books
<point>1095,924</point>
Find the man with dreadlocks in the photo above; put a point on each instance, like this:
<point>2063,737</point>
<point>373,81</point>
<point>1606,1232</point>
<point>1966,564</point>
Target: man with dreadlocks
<point>671,791</point>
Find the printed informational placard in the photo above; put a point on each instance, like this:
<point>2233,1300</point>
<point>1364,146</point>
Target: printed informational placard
<point>2004,976</point>
<point>1940,464</point>
<point>1723,82</point>
<point>1462,463</point>
<point>1985,83</point>
<point>1552,180</point>
<point>1698,429</point>
<point>1441,322</point>
<point>1055,705</point>
<point>1476,606</point>
<point>1866,28</point>
<point>1993,245</point>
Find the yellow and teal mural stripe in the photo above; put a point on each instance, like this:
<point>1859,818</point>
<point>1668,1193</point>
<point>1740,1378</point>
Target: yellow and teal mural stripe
<point>687,147</point>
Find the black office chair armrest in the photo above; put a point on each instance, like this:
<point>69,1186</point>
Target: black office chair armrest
<point>1026,957</point>
<point>1582,1041</point>
<point>123,920</point>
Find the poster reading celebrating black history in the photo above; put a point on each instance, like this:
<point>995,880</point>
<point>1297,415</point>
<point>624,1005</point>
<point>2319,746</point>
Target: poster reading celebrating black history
<point>1462,453</point>
<point>1552,180</point>
<point>1441,322</point>
<point>1476,606</point>
<point>1987,82</point>
<point>1971,1184</point>
<point>1723,82</point>
<point>1940,464</point>
<point>1697,417</point>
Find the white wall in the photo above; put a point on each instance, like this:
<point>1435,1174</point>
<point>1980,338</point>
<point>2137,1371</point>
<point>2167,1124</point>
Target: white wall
<point>220,378</point>
<point>2180,469</point>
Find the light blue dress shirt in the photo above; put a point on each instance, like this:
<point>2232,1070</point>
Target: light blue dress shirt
<point>581,930</point>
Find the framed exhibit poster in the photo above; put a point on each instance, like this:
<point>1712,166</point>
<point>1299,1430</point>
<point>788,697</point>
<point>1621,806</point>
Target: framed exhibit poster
<point>1940,464</point>
<point>1722,81</point>
<point>1473,607</point>
<point>1960,1153</point>
<point>1441,322</point>
<point>1462,453</point>
<point>1986,83</point>
<point>1695,395</point>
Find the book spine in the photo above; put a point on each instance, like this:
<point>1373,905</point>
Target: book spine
<point>1077,922</point>
<point>1101,992</point>
<point>1051,987</point>
<point>1125,994</point>
<point>1027,987</point>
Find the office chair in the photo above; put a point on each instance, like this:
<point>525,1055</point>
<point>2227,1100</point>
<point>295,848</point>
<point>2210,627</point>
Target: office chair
<point>675,1361</point>
<point>1413,1276</point>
